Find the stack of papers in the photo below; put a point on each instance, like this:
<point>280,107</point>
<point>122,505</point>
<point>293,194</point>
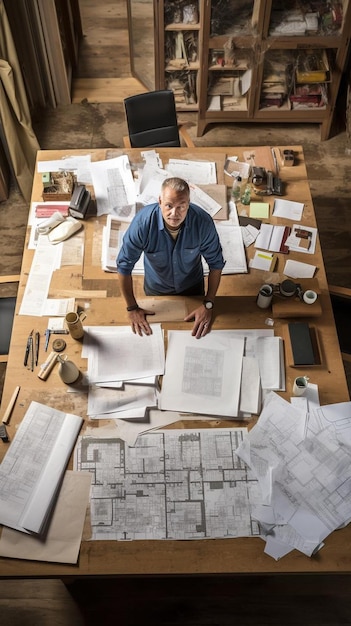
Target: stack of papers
<point>123,370</point>
<point>224,373</point>
<point>303,465</point>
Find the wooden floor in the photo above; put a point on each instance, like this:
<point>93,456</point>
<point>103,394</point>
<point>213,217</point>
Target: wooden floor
<point>96,119</point>
<point>105,89</point>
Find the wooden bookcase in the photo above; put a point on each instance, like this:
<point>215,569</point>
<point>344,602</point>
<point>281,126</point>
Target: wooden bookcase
<point>220,63</point>
<point>179,55</point>
<point>253,47</point>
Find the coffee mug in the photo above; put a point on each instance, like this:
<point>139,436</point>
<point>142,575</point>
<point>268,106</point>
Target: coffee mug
<point>300,385</point>
<point>74,324</point>
<point>309,296</point>
<point>265,296</point>
<point>288,288</point>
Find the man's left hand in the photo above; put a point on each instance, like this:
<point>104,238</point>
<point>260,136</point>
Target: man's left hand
<point>202,323</point>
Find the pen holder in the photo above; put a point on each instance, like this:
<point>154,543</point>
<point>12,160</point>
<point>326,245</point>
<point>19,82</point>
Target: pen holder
<point>265,296</point>
<point>74,324</point>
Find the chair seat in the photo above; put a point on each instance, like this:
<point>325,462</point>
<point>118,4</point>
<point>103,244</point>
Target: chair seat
<point>165,137</point>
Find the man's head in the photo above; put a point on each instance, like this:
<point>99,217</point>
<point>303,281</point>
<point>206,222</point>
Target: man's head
<point>174,201</point>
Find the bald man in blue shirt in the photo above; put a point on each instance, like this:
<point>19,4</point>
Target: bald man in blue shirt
<point>173,234</point>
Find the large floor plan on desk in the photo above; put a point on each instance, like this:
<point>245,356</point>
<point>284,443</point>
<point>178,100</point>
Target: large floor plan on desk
<point>171,485</point>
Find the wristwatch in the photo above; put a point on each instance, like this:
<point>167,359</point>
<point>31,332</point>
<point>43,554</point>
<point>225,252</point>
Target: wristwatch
<point>208,304</point>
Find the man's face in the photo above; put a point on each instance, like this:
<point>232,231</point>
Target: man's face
<point>174,206</point>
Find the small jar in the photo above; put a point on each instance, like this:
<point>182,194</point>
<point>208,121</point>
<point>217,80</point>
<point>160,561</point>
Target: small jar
<point>246,195</point>
<point>236,189</point>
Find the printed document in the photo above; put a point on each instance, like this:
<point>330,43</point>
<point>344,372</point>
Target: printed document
<point>113,186</point>
<point>196,172</point>
<point>33,466</point>
<point>202,376</point>
<point>175,484</point>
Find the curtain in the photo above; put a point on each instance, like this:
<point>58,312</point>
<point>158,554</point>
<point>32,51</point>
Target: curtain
<point>22,144</point>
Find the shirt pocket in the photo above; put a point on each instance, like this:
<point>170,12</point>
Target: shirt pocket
<point>159,260</point>
<point>190,257</point>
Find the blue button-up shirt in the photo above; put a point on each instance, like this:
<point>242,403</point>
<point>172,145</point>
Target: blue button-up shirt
<point>170,266</point>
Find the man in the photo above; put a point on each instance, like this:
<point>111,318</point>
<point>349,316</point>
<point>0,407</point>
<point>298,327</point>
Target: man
<point>173,235</point>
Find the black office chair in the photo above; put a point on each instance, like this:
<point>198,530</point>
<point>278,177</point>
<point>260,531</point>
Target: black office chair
<point>341,303</point>
<point>152,121</point>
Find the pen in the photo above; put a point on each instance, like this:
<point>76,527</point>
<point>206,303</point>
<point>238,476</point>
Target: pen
<point>37,343</point>
<point>29,341</point>
<point>32,353</point>
<point>47,338</point>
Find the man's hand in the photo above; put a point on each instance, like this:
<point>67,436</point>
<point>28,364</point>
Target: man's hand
<point>140,325</point>
<point>202,323</point>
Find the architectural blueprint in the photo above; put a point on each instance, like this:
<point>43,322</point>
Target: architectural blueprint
<point>175,484</point>
<point>304,478</point>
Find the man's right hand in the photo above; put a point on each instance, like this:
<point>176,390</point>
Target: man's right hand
<point>140,325</point>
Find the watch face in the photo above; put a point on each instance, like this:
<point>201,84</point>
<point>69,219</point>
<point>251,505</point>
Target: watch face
<point>208,304</point>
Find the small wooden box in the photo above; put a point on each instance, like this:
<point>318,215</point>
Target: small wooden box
<point>61,187</point>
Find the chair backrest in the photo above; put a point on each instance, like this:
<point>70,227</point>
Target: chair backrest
<point>152,119</point>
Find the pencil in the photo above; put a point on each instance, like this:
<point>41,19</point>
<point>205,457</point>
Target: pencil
<point>11,404</point>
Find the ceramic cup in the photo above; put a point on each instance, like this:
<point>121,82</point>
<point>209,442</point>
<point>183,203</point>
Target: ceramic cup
<point>309,296</point>
<point>74,324</point>
<point>287,288</point>
<point>265,296</point>
<point>300,385</point>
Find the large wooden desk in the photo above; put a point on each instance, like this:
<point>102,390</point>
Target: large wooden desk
<point>235,308</point>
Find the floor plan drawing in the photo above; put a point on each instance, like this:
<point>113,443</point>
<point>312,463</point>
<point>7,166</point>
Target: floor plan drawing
<point>174,484</point>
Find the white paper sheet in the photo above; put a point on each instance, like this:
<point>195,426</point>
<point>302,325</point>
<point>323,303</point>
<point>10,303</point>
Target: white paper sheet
<point>202,375</point>
<point>288,209</point>
<point>113,185</point>
<point>297,269</point>
<point>102,402</point>
<point>196,172</point>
